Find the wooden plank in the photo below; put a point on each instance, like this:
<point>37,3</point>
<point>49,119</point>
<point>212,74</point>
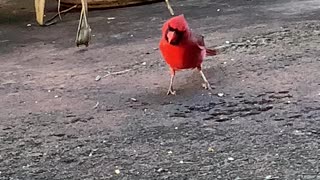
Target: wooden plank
<point>96,4</point>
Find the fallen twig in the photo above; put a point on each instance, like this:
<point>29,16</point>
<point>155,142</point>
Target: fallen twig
<point>48,22</point>
<point>117,73</point>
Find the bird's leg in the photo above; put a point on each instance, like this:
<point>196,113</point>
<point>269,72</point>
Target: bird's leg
<point>170,90</point>
<point>206,83</point>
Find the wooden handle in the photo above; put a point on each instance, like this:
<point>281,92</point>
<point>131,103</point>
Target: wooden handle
<point>39,7</point>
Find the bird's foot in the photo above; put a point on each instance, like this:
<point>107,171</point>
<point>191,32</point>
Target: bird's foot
<point>171,92</point>
<point>207,85</point>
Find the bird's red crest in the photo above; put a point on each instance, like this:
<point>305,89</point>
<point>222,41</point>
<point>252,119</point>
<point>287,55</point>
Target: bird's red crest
<point>178,22</point>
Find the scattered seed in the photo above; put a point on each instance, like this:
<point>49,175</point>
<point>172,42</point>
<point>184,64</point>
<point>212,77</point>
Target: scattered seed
<point>230,158</point>
<point>160,170</point>
<point>95,106</point>
<point>220,94</point>
<point>98,78</point>
<point>133,99</point>
<point>268,177</point>
<point>210,149</point>
<point>117,171</point>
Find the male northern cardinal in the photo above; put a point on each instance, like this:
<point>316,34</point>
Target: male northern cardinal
<point>182,49</point>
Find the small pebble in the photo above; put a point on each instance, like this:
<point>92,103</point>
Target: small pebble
<point>181,162</point>
<point>230,158</point>
<point>56,96</point>
<point>176,128</point>
<point>28,25</point>
<point>227,42</point>
<point>218,10</point>
<point>169,152</point>
<point>144,63</point>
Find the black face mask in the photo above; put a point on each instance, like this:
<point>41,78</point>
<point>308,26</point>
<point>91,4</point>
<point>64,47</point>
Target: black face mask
<point>178,33</point>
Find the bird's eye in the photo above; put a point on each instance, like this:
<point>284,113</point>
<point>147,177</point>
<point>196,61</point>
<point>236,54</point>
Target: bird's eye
<point>171,28</point>
<point>175,30</point>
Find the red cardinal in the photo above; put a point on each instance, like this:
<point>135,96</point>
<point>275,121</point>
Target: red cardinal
<point>183,49</point>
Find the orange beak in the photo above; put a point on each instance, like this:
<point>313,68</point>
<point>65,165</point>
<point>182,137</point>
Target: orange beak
<point>171,36</point>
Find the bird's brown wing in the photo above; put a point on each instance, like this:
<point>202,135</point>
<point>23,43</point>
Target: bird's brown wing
<point>200,40</point>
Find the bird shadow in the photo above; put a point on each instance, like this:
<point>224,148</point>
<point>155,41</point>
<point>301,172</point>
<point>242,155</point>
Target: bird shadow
<point>188,86</point>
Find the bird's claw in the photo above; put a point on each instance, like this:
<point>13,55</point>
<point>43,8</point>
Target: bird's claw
<point>171,92</point>
<point>207,86</point>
